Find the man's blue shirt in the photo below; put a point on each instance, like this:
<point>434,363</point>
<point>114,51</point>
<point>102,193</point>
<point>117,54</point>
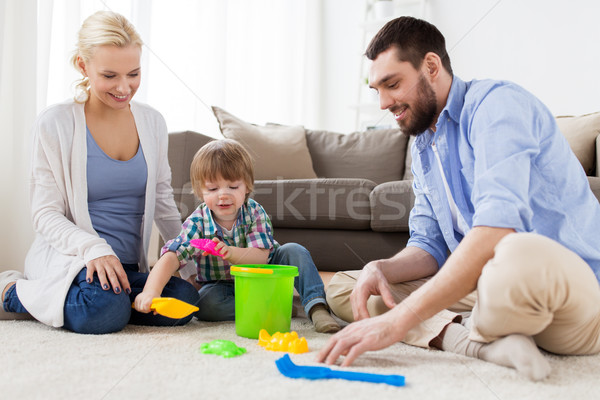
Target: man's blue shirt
<point>507,165</point>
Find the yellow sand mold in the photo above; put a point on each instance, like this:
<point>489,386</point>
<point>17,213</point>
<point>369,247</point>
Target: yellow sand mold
<point>288,342</point>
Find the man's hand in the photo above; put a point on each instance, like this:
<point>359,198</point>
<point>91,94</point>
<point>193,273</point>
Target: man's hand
<point>109,270</point>
<point>371,282</point>
<point>367,335</point>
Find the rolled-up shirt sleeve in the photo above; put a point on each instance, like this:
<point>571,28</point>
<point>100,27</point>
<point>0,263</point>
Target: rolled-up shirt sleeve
<point>424,229</point>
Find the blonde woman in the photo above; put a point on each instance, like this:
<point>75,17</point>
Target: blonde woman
<point>99,178</point>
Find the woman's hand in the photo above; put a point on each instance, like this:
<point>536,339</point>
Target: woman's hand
<point>110,273</point>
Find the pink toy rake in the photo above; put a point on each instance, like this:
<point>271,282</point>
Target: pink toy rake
<point>207,245</point>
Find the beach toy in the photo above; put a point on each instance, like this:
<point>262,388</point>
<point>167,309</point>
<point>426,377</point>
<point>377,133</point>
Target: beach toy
<point>288,341</point>
<point>207,245</point>
<point>224,348</point>
<point>171,307</point>
<point>263,298</point>
<point>291,370</point>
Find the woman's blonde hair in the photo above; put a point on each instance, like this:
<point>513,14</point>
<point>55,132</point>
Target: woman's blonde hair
<point>101,29</point>
<point>224,158</point>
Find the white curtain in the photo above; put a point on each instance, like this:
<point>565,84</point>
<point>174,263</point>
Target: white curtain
<point>259,59</point>
<point>254,58</point>
<point>18,96</point>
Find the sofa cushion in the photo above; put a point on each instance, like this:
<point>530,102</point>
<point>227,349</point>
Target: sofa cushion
<point>391,203</point>
<point>343,249</point>
<point>278,151</point>
<point>377,155</point>
<point>316,203</point>
<point>581,133</point>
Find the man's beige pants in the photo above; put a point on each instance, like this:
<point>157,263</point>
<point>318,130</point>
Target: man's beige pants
<point>533,286</point>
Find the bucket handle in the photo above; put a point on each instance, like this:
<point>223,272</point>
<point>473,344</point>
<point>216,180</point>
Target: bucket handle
<point>265,271</point>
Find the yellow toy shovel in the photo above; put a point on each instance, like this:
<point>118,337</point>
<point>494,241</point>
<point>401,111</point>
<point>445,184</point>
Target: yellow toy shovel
<point>171,307</point>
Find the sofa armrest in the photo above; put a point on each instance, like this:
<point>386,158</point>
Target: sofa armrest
<point>391,203</point>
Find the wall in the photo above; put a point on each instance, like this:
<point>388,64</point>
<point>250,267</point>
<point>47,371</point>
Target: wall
<point>342,54</point>
<point>550,47</point>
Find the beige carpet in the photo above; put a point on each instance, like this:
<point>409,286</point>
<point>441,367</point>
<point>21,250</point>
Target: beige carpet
<point>38,362</point>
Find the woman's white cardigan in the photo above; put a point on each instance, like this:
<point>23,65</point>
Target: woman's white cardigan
<point>65,240</point>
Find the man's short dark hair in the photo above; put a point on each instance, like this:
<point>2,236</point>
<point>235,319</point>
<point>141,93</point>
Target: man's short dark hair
<point>413,38</point>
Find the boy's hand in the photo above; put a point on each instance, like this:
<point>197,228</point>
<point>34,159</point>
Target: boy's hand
<point>241,255</point>
<point>222,248</point>
<point>143,301</point>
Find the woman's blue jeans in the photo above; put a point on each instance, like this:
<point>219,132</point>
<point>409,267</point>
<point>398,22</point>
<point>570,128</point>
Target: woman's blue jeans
<point>217,299</point>
<point>90,309</point>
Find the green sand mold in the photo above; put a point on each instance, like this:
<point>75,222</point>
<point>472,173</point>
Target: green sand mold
<point>225,348</point>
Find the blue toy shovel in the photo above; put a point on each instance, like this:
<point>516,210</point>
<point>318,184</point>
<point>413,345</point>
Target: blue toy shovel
<point>291,370</point>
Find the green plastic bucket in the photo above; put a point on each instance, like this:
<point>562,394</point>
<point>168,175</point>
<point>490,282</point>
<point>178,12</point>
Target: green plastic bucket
<point>263,298</point>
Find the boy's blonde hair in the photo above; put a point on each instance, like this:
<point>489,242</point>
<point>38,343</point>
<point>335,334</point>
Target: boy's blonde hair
<point>103,28</point>
<point>224,158</point>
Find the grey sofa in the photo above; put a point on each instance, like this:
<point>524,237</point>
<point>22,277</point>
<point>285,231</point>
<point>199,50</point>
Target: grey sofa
<point>343,221</point>
<point>356,208</point>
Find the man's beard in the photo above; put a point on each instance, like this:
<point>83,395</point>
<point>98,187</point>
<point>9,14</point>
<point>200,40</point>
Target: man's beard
<point>422,112</point>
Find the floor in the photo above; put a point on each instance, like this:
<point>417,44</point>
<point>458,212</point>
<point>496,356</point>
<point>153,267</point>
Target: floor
<point>326,276</point>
